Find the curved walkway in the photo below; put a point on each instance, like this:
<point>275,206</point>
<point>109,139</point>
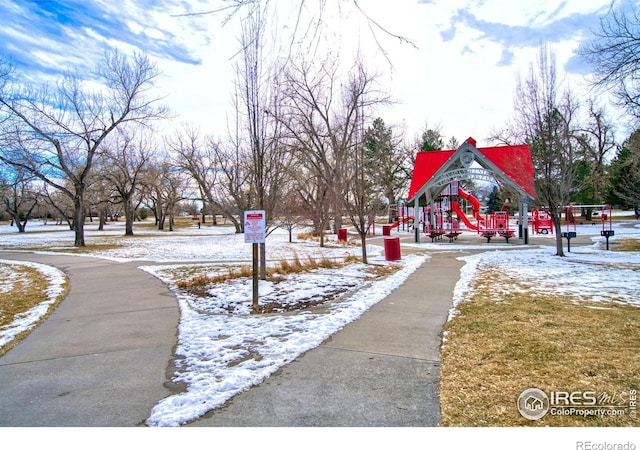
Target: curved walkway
<point>382,370</point>
<point>101,358</point>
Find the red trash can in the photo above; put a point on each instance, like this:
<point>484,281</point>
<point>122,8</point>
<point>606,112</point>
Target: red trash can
<point>386,230</point>
<point>342,234</point>
<point>392,249</point>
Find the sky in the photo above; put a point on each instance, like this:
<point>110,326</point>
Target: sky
<point>455,67</point>
<point>590,274</point>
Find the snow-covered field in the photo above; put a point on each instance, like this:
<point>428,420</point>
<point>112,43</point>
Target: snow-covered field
<point>223,352</point>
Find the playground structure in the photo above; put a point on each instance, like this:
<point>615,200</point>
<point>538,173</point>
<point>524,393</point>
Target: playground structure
<point>436,194</point>
<point>542,223</point>
<point>437,203</point>
<point>607,224</point>
<point>438,221</point>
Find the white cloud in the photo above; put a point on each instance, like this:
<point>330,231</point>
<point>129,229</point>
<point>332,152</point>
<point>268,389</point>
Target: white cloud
<point>462,75</point>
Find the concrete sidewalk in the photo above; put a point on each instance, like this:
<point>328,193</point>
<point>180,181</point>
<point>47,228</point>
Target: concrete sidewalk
<point>382,370</point>
<point>101,358</point>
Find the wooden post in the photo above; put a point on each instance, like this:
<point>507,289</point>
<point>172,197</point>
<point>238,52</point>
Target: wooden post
<point>256,306</point>
<point>254,233</point>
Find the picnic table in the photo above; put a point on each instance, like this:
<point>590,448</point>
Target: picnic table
<point>453,235</point>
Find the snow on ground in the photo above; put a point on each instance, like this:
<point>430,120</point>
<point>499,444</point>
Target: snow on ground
<point>27,320</point>
<point>222,353</point>
<point>587,273</point>
<point>222,348</point>
<point>225,353</point>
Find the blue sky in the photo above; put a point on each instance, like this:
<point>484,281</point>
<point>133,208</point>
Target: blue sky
<point>460,76</point>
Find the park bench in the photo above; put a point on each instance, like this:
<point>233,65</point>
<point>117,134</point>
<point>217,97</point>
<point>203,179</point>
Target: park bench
<point>488,234</point>
<point>453,235</point>
<point>436,234</point>
<point>507,234</point>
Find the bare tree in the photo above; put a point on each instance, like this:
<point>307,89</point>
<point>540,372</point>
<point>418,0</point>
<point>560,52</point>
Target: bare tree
<point>309,24</point>
<point>59,205</point>
<point>614,54</point>
<point>122,163</point>
<point>313,192</point>
<point>596,141</point>
<point>326,123</point>
<point>218,171</point>
<point>19,197</point>
<point>55,135</point>
<point>256,102</point>
<point>545,118</point>
<point>165,186</point>
<point>291,210</point>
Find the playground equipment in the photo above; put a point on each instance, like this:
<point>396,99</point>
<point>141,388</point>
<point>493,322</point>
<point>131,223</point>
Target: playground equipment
<point>570,219</point>
<point>475,209</point>
<point>431,184</point>
<point>442,223</point>
<point>607,231</point>
<point>386,229</point>
<point>542,223</point>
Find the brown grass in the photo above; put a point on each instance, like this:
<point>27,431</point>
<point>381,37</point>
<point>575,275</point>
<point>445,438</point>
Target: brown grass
<point>626,245</point>
<point>308,237</point>
<point>28,290</point>
<point>197,283</point>
<point>498,347</point>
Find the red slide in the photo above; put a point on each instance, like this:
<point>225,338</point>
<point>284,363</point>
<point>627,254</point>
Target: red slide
<point>455,207</point>
<point>397,223</point>
<point>475,209</point>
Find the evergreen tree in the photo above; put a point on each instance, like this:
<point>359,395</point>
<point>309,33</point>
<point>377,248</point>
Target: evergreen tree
<point>493,201</point>
<point>386,164</point>
<point>431,140</point>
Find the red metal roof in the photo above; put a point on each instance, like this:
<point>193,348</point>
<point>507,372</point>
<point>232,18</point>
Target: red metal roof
<point>426,165</point>
<point>513,160</point>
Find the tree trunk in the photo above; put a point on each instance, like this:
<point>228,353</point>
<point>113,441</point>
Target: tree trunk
<point>78,219</point>
<point>103,218</point>
<point>129,213</point>
<point>557,224</point>
<point>392,201</point>
<point>19,225</point>
<point>337,223</point>
<point>363,243</point>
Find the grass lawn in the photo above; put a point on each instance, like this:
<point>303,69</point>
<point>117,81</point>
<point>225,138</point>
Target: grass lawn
<point>29,289</point>
<point>498,347</point>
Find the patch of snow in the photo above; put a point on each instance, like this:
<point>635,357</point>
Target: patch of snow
<point>226,353</point>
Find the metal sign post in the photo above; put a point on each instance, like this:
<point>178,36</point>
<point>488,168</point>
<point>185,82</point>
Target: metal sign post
<point>254,233</point>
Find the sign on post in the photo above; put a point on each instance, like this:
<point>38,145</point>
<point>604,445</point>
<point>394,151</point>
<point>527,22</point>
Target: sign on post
<point>254,227</point>
<point>254,233</point>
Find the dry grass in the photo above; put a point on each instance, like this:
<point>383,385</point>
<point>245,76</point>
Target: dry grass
<point>626,245</point>
<point>498,347</point>
<point>28,290</point>
<point>196,283</point>
<point>308,237</point>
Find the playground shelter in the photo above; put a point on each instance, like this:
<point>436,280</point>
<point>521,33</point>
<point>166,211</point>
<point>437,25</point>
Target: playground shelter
<point>509,165</point>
